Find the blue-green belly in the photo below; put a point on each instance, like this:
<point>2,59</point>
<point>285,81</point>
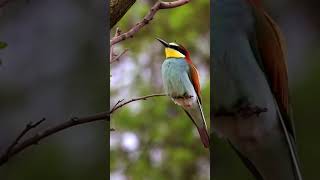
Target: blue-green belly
<point>176,79</point>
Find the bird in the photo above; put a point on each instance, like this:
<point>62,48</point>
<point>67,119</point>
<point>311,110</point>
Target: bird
<point>181,83</point>
<point>251,106</point>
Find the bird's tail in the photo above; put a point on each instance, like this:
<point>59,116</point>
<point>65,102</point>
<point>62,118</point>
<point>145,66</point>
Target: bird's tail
<point>197,117</point>
<point>204,136</point>
<point>291,144</point>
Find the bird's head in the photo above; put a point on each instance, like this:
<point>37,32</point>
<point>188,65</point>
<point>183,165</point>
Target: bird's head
<point>174,50</point>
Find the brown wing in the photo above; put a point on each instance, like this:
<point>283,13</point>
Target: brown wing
<point>194,76</point>
<point>272,54</point>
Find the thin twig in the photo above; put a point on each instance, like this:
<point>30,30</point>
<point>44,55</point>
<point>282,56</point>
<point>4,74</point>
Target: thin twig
<point>28,127</point>
<point>157,6</point>
<point>116,105</point>
<point>117,58</point>
<point>16,147</point>
<point>119,105</point>
<point>112,54</point>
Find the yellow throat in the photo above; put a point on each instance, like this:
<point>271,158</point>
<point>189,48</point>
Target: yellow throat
<point>172,53</point>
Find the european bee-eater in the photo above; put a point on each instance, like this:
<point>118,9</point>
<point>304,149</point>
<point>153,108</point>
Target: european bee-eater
<point>181,82</point>
<point>250,84</point>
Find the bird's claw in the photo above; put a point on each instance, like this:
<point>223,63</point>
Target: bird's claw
<point>248,111</point>
<point>182,97</point>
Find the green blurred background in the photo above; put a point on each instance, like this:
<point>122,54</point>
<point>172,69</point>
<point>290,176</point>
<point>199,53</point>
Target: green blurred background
<point>299,22</point>
<point>55,66</point>
<point>155,139</point>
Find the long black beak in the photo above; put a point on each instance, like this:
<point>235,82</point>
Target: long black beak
<point>163,42</point>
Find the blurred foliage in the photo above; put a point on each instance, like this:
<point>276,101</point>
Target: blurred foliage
<point>54,67</point>
<point>3,45</point>
<point>305,98</point>
<point>161,127</point>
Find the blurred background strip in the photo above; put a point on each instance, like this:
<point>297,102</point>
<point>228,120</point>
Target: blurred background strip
<point>54,67</point>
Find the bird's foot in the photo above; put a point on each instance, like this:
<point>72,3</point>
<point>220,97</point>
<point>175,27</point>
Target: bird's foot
<point>245,110</point>
<point>248,110</point>
<point>184,100</point>
<point>182,97</point>
<point>187,96</point>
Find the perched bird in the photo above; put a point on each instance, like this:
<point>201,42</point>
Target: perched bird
<point>250,89</point>
<point>181,82</point>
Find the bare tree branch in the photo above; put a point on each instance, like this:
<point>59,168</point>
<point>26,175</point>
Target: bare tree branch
<point>119,104</point>
<point>113,56</point>
<point>41,135</point>
<point>16,147</point>
<point>28,127</point>
<point>157,6</point>
<point>117,57</point>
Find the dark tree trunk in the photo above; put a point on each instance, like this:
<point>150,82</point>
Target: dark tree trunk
<point>118,9</point>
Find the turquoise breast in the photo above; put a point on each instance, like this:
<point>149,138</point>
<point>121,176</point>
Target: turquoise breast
<point>175,76</point>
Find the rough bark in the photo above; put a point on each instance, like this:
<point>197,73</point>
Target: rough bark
<point>118,9</point>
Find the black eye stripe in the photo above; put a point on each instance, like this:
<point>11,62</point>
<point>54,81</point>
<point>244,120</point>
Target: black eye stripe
<point>178,49</point>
